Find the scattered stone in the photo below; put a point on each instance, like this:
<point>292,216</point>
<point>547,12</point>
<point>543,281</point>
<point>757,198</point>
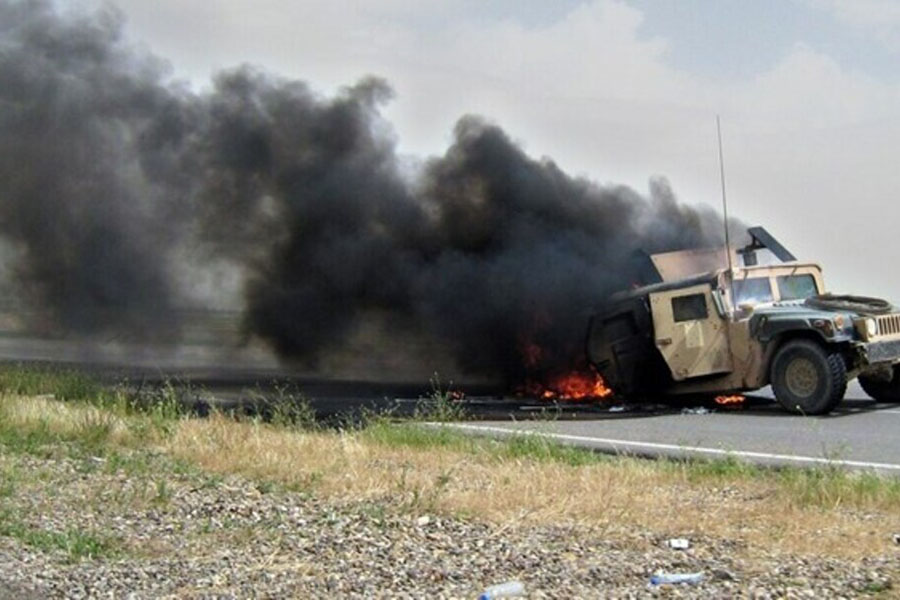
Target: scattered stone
<point>176,534</point>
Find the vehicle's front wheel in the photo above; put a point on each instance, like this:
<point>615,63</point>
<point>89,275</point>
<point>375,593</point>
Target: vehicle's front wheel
<point>807,379</point>
<point>881,390</point>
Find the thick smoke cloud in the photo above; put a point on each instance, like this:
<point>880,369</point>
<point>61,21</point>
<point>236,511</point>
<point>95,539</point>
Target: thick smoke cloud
<point>109,171</point>
<point>74,205</point>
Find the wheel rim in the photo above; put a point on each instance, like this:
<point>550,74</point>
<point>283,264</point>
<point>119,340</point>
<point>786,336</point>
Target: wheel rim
<point>801,377</point>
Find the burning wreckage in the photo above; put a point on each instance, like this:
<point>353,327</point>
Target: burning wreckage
<point>691,327</point>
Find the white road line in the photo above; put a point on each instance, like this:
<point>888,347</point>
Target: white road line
<point>617,444</point>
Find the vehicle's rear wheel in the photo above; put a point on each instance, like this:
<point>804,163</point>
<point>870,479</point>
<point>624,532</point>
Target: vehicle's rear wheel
<point>807,379</point>
<point>880,389</point>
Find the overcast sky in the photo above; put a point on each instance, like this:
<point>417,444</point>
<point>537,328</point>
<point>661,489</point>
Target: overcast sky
<point>617,90</point>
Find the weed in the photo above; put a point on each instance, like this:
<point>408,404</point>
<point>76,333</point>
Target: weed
<point>828,487</point>
<point>37,439</point>
<point>699,469</point>
<point>211,481</point>
<point>207,525</point>
<point>9,481</point>
<point>416,435</point>
<point>63,384</point>
<point>286,407</point>
<point>163,492</point>
<point>160,406</point>
<point>877,587</point>
<point>441,405</point>
<point>542,448</point>
<point>521,446</point>
<point>75,543</point>
<point>93,429</point>
<point>265,487</point>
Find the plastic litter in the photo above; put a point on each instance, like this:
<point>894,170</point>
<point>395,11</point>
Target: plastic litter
<point>678,544</point>
<point>510,589</point>
<point>700,410</point>
<point>663,578</point>
<point>619,408</point>
<point>897,538</point>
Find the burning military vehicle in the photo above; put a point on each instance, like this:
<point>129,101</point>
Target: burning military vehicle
<point>693,326</point>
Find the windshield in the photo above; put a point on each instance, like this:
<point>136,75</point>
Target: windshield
<point>797,287</point>
<point>752,291</point>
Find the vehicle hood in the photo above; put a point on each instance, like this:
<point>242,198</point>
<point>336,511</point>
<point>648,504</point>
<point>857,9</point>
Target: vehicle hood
<point>770,320</point>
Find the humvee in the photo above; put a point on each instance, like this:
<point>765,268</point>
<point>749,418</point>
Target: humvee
<point>735,329</point>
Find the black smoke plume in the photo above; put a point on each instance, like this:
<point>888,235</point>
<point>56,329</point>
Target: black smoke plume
<point>109,172</point>
<point>83,223</point>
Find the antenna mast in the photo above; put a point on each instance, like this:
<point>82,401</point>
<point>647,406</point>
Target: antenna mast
<point>725,212</point>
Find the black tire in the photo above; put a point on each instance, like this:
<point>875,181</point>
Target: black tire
<point>807,379</point>
<point>881,390</point>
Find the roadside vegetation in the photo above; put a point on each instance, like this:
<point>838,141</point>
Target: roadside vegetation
<point>413,466</point>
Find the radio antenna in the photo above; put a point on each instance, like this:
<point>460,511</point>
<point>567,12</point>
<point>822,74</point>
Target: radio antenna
<point>725,212</point>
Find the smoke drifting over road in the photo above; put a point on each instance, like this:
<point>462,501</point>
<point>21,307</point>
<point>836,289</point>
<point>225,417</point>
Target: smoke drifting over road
<point>118,186</point>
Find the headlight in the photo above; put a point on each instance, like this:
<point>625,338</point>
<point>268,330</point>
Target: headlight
<point>871,327</point>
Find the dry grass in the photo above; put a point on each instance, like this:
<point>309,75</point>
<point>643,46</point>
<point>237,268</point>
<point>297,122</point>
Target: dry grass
<point>615,496</point>
<point>485,480</point>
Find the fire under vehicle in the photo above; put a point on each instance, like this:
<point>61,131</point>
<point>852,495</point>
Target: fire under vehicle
<point>693,328</point>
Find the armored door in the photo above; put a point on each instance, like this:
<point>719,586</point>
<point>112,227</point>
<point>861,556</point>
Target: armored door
<point>690,333</point>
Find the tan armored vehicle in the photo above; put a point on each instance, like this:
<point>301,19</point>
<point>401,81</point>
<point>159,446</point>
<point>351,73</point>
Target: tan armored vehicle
<point>700,329</point>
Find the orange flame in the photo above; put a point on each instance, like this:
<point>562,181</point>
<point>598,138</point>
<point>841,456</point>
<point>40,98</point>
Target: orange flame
<point>730,400</point>
<point>574,385</point>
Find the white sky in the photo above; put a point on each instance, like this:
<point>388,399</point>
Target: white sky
<point>617,90</point>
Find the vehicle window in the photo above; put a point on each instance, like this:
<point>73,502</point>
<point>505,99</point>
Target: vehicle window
<point>796,287</point>
<point>752,291</point>
<point>619,327</point>
<point>689,308</point>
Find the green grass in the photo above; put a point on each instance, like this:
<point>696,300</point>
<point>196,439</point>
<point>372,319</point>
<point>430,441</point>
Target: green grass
<point>76,544</point>
<point>9,482</point>
<point>411,434</point>
<point>64,384</point>
<point>877,587</point>
<point>36,439</point>
<point>539,448</point>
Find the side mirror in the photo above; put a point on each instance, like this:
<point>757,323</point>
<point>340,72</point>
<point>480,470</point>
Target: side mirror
<point>745,309</point>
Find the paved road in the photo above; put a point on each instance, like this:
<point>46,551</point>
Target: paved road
<point>860,434</point>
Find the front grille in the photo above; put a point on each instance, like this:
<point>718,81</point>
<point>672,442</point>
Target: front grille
<point>888,326</point>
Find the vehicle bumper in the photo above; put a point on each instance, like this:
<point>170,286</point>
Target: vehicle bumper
<point>881,352</point>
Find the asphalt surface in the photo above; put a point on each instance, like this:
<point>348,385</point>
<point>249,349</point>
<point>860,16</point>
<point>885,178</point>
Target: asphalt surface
<point>859,434</point>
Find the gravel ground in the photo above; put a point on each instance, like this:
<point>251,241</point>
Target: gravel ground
<point>174,532</point>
